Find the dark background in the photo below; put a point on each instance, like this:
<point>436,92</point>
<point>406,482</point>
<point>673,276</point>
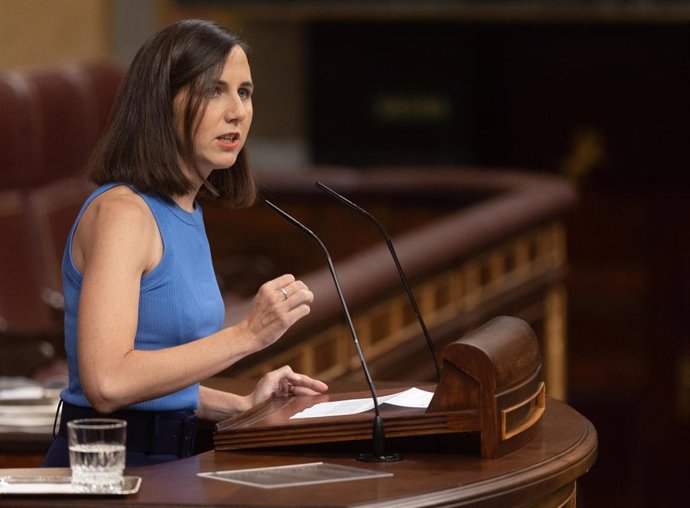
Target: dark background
<point>605,104</point>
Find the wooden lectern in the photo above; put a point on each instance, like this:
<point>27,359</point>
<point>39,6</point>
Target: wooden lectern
<point>491,384</point>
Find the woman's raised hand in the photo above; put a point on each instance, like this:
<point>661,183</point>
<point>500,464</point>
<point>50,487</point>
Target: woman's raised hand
<point>278,304</point>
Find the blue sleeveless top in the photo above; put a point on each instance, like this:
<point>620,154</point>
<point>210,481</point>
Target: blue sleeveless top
<point>179,300</point>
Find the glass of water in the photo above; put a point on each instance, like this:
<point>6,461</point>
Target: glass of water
<point>97,453</point>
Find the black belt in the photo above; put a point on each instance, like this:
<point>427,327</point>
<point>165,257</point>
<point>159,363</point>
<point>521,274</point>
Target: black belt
<point>150,432</point>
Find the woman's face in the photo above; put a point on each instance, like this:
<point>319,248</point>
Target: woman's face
<point>224,127</point>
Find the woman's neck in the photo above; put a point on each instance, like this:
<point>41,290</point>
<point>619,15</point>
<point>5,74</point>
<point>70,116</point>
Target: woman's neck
<point>185,201</point>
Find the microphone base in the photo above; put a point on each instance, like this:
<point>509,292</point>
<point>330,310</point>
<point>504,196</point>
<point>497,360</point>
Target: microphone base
<point>372,457</point>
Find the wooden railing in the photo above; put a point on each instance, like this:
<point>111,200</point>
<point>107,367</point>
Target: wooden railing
<point>503,253</point>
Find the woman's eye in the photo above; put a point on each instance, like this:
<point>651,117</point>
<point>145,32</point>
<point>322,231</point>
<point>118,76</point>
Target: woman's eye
<point>215,92</point>
<point>244,93</point>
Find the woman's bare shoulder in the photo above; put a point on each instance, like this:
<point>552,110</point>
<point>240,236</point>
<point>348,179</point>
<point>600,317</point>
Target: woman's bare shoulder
<point>119,220</point>
<point>119,206</point>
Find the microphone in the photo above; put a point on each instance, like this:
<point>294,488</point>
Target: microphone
<point>378,434</point>
<point>403,278</point>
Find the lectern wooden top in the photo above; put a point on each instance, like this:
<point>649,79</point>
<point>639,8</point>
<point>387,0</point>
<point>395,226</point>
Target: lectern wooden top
<point>544,471</point>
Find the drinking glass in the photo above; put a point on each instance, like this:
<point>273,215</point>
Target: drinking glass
<point>97,453</point>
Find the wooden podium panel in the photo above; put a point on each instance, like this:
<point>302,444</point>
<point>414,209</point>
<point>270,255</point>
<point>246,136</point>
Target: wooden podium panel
<point>491,384</point>
<point>269,424</point>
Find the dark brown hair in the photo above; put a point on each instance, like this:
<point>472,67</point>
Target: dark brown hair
<point>140,145</point>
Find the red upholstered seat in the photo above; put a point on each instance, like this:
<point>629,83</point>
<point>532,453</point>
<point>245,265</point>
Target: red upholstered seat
<point>53,209</point>
<point>19,148</point>
<point>21,308</point>
<point>50,120</point>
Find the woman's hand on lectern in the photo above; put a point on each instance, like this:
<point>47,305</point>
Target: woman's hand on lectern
<point>283,382</point>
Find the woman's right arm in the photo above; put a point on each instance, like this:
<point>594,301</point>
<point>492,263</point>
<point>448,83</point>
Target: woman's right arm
<point>115,244</point>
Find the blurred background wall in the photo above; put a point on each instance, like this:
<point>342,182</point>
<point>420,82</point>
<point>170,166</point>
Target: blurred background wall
<point>36,32</point>
<point>595,91</point>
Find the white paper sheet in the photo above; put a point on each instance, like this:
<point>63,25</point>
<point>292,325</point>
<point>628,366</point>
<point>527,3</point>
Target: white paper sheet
<point>412,398</point>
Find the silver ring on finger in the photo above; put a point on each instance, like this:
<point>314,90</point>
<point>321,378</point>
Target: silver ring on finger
<point>285,293</point>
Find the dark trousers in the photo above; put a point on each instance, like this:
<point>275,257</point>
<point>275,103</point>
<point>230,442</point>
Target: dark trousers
<point>152,437</point>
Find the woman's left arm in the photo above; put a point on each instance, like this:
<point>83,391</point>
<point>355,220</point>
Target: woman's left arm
<point>216,405</point>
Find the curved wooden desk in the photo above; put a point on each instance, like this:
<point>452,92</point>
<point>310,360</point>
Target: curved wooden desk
<point>542,473</point>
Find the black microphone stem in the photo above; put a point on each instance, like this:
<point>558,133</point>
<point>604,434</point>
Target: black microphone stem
<point>378,434</point>
<point>403,278</point>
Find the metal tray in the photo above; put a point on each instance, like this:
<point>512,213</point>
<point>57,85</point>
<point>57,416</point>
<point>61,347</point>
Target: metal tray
<point>53,485</point>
